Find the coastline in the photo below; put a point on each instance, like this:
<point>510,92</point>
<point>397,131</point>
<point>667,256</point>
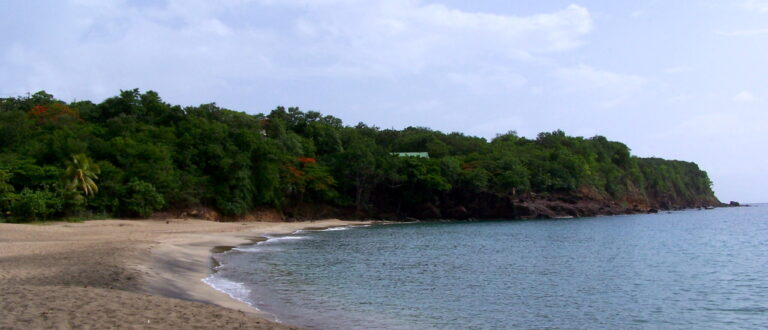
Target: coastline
<point>126,274</point>
<point>181,263</point>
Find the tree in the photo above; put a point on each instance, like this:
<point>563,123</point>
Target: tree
<point>81,174</point>
<point>36,204</point>
<point>141,199</point>
<point>7,195</point>
<point>153,155</point>
<point>357,166</point>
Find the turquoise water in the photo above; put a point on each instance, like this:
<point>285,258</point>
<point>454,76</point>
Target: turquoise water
<point>685,270</point>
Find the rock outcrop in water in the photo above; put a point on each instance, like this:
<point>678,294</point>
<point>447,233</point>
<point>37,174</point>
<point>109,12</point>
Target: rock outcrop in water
<point>459,206</point>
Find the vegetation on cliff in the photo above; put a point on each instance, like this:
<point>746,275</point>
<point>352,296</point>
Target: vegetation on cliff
<point>133,154</point>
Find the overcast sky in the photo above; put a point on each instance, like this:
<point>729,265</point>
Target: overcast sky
<point>674,79</point>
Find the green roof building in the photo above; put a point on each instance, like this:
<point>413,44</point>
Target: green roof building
<point>411,154</point>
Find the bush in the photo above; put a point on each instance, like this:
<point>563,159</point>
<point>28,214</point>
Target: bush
<point>141,199</point>
<point>73,202</point>
<point>111,188</point>
<point>35,204</point>
<point>7,195</point>
<point>7,200</point>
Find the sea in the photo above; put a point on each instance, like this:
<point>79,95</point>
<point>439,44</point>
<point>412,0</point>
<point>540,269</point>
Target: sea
<point>693,269</point>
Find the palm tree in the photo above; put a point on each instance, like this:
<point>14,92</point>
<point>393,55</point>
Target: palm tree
<point>81,174</point>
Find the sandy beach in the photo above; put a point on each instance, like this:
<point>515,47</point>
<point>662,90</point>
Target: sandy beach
<point>125,274</point>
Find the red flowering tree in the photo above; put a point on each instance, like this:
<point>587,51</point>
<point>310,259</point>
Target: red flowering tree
<point>52,113</point>
<point>305,176</point>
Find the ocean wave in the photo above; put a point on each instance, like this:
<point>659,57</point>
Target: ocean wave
<point>272,239</point>
<point>344,228</point>
<point>336,228</point>
<point>262,246</point>
<point>237,291</point>
<point>256,248</point>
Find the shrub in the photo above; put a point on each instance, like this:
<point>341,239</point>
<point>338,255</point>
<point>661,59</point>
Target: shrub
<point>7,195</point>
<point>141,199</point>
<point>36,204</point>
<point>73,202</point>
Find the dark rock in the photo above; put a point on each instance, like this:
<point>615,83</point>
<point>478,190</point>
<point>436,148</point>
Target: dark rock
<point>541,212</point>
<point>570,199</point>
<point>459,213</point>
<point>429,211</point>
<point>734,203</point>
<point>562,210</point>
<point>523,211</point>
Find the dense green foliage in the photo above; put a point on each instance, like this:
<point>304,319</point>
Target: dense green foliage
<point>134,154</point>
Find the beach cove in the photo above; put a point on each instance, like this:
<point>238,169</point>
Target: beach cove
<point>126,274</point>
<point>691,269</point>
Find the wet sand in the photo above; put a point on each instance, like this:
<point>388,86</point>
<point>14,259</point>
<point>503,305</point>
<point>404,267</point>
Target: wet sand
<point>125,274</point>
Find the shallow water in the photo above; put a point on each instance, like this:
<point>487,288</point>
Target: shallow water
<point>689,269</point>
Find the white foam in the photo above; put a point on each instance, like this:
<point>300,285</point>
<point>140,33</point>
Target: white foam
<point>246,249</point>
<point>271,239</point>
<point>259,247</point>
<point>336,228</point>
<point>252,248</point>
<point>341,228</point>
<point>235,290</point>
<point>218,264</point>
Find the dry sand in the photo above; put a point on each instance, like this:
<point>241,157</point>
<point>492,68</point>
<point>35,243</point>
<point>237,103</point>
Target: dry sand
<point>125,274</point>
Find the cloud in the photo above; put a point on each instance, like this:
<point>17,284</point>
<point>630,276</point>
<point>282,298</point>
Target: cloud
<point>109,46</point>
<point>638,13</point>
<point>760,6</point>
<point>744,33</point>
<point>680,98</point>
<point>489,81</point>
<point>745,97</point>
<point>501,124</point>
<point>612,88</point>
<point>407,36</point>
<point>678,69</point>
<point>729,135</point>
<point>184,47</point>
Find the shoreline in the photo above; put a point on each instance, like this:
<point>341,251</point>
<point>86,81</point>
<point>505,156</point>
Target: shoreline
<point>181,265</point>
<point>126,274</point>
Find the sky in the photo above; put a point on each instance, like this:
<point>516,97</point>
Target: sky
<point>683,80</point>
